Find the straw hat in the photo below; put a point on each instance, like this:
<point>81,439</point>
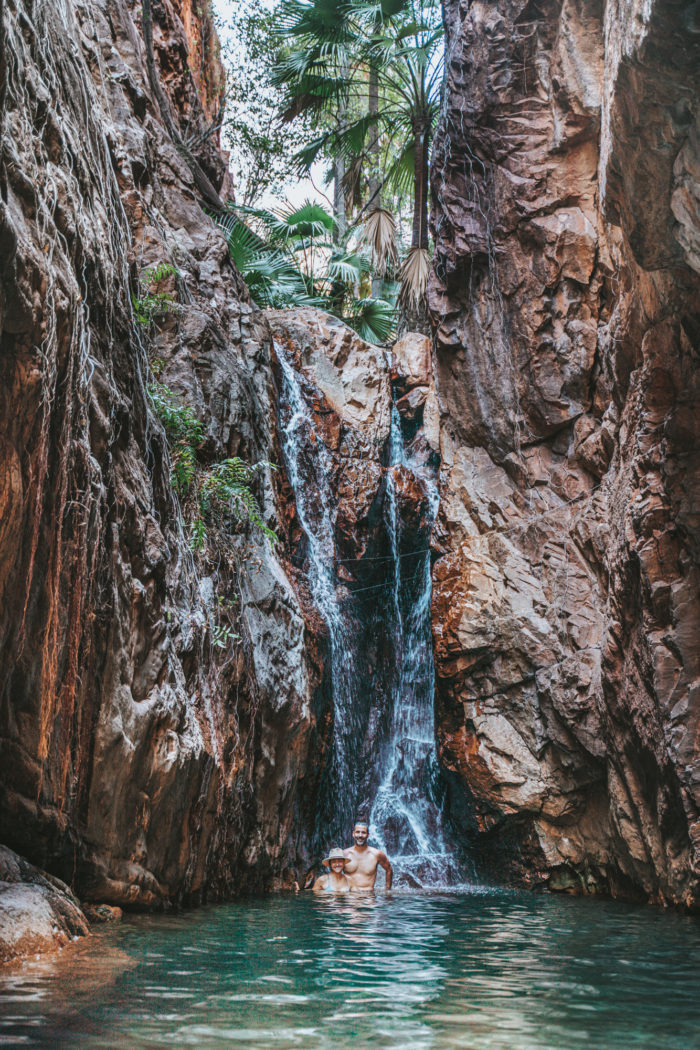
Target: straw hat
<point>334,854</point>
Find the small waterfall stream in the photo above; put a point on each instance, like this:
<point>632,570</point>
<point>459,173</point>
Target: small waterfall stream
<point>403,803</point>
<point>405,816</point>
<point>310,478</point>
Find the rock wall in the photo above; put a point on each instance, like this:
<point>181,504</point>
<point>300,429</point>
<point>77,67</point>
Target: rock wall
<point>566,303</point>
<point>146,755</point>
<point>38,913</point>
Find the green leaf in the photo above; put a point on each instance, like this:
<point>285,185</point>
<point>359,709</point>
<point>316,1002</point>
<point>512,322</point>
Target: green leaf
<point>374,320</point>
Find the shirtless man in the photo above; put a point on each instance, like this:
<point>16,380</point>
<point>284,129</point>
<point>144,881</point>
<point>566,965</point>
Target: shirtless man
<point>362,861</point>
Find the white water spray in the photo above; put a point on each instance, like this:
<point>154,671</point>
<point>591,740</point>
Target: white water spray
<point>406,820</point>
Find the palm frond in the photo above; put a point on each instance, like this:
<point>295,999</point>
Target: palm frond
<point>379,234</point>
<point>374,320</point>
<point>400,175</point>
<point>271,273</point>
<point>309,220</point>
<point>346,268</point>
<point>414,274</point>
<point>353,181</point>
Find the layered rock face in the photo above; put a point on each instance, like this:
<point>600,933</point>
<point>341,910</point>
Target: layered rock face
<point>146,754</point>
<point>566,299</point>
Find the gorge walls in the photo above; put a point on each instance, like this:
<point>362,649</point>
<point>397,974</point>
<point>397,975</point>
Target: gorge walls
<point>169,729</point>
<point>146,754</point>
<point>566,304</point>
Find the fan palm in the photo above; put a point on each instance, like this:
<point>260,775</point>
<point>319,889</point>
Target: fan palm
<point>381,60</point>
<point>291,259</point>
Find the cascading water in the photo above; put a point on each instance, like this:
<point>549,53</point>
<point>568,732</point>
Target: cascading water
<point>401,792</point>
<point>405,817</point>
<point>310,478</point>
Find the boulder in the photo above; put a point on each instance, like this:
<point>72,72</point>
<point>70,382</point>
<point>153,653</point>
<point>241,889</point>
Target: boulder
<point>38,913</point>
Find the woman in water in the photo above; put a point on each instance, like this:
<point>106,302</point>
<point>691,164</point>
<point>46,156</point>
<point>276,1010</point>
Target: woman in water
<point>335,881</point>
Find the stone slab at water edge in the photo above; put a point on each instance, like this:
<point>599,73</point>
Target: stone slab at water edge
<point>38,913</point>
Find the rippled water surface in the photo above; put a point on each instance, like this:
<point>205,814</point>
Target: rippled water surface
<point>493,970</point>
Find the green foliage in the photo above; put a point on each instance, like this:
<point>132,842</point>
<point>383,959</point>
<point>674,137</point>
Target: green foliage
<point>373,319</point>
<point>225,488</point>
<point>366,76</point>
<point>183,431</point>
<point>213,494</point>
<point>291,258</point>
<point>261,147</point>
<point>222,635</point>
<point>198,534</point>
<point>270,272</point>
<point>149,303</point>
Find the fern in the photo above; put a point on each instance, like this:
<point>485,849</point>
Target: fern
<point>227,487</point>
<point>148,304</point>
<point>210,493</point>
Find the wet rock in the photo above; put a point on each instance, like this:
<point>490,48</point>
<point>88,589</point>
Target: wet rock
<point>566,300</point>
<point>101,913</point>
<point>335,412</point>
<point>38,913</point>
<point>347,383</point>
<point>351,374</point>
<point>412,359</point>
<point>409,404</point>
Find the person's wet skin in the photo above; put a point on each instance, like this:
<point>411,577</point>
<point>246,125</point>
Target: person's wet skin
<point>362,861</point>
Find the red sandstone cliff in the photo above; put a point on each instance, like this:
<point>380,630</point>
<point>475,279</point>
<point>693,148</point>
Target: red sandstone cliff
<point>566,299</point>
<point>139,760</point>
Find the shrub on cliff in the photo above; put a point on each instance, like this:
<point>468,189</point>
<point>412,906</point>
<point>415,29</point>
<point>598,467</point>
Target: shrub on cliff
<point>213,496</point>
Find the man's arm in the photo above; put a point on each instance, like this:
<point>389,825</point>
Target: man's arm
<point>384,862</point>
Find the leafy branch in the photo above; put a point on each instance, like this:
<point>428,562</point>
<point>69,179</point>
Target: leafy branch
<point>149,303</point>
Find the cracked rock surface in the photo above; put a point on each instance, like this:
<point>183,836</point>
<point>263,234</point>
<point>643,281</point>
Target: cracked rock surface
<point>566,299</point>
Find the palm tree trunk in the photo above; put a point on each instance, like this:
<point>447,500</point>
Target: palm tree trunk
<point>339,199</point>
<point>417,319</point>
<point>419,233</point>
<point>374,187</point>
<point>373,109</point>
<point>339,168</point>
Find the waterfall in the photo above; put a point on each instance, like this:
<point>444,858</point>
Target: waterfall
<point>310,478</point>
<point>406,818</point>
<point>401,795</point>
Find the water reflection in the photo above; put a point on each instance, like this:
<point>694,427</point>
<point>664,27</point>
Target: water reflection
<point>421,971</point>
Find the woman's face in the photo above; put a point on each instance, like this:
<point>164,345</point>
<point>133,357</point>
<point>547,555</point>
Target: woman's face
<point>337,865</point>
